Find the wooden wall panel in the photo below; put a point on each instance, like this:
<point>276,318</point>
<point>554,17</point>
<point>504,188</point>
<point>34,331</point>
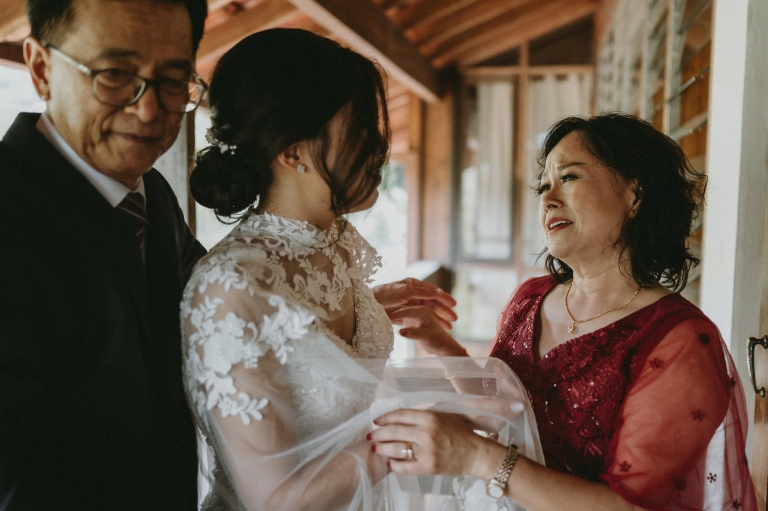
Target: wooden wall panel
<point>436,195</point>
<point>695,100</point>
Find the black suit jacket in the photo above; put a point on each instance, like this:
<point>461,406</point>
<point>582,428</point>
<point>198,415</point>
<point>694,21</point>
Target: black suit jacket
<point>92,407</point>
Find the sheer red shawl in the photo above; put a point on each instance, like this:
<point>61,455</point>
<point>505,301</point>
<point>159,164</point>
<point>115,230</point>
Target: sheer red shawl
<point>650,405</point>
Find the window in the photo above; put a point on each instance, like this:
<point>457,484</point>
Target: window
<point>17,94</point>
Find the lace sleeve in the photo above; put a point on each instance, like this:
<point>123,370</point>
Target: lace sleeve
<point>678,429</point>
<point>238,339</point>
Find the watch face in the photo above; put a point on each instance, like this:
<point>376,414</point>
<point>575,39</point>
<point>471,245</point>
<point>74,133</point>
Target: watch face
<point>495,491</point>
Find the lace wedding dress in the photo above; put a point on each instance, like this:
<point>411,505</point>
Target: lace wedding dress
<point>285,403</point>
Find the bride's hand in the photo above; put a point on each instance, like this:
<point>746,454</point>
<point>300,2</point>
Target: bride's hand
<point>413,292</point>
<point>442,443</point>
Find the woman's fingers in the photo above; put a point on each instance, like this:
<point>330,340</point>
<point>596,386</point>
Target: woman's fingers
<point>420,316</point>
<point>413,317</point>
<point>420,324</point>
<point>401,417</point>
<point>395,450</point>
<point>409,467</point>
<point>441,443</point>
<point>445,314</point>
<point>411,291</point>
<point>417,309</point>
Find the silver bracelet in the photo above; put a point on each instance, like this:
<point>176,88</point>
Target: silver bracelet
<point>496,486</point>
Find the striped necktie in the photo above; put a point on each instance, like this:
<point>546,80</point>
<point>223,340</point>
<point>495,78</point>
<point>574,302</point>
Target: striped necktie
<point>135,213</point>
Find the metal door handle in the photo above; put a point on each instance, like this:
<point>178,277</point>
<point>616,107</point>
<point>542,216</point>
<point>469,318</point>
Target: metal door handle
<point>753,341</point>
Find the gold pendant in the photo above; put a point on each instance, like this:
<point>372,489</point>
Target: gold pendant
<point>572,328</point>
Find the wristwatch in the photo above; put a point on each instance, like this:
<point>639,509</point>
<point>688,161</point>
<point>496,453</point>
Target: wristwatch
<point>496,486</point>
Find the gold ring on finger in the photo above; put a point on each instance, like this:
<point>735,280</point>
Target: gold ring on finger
<point>408,451</point>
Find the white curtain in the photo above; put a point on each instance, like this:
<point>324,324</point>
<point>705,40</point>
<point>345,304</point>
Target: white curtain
<point>487,181</point>
<point>550,98</point>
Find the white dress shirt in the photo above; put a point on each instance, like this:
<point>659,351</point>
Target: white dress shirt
<point>112,189</point>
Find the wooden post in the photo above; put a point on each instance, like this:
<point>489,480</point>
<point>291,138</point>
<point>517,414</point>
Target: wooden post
<point>12,55</point>
<point>414,177</point>
<point>736,193</point>
<point>675,44</point>
<point>438,155</point>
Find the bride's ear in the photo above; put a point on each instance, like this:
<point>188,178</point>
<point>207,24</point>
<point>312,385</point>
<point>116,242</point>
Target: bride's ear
<point>293,159</point>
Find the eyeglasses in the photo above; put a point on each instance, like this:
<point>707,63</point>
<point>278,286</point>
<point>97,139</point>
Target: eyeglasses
<point>116,87</point>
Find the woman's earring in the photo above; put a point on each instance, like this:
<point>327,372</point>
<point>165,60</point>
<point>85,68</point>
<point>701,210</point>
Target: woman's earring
<point>301,168</point>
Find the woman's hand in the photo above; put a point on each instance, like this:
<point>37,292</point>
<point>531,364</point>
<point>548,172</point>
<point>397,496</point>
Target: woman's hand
<point>442,444</point>
<point>415,293</point>
<point>420,323</point>
<point>426,313</point>
<point>445,444</point>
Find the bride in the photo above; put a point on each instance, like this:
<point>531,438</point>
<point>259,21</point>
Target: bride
<point>285,344</point>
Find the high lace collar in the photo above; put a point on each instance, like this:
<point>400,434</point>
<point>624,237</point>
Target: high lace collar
<point>310,233</point>
<point>298,239</point>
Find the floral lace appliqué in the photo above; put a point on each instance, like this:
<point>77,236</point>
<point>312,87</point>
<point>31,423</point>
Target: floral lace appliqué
<point>293,276</point>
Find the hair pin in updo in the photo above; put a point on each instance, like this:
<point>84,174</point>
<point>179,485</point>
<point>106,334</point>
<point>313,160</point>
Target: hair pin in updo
<point>223,146</point>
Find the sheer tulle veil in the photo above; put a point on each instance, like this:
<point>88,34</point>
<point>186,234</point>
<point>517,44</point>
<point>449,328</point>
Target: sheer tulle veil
<point>485,391</point>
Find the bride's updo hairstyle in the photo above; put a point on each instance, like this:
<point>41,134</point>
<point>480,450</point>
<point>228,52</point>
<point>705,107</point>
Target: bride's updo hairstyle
<point>279,87</point>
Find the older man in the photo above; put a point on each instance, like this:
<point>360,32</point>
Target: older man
<point>94,254</point>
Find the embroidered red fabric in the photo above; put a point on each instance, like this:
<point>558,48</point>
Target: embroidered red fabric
<point>650,405</point>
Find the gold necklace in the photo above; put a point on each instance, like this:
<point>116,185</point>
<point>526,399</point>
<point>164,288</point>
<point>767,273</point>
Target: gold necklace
<point>574,320</point>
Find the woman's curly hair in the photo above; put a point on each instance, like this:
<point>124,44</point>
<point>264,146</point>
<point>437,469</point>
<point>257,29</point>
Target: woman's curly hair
<point>670,192</point>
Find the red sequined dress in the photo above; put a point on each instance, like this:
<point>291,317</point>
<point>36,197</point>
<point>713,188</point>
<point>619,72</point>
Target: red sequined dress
<point>650,405</point>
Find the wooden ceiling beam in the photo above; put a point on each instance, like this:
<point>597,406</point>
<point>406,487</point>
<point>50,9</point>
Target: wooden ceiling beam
<point>367,29</point>
<point>14,25</point>
<point>491,39</point>
<point>214,5</point>
<point>428,11</point>
<point>461,21</point>
<point>386,4</point>
<point>221,38</point>
<point>525,11</point>
<point>304,22</point>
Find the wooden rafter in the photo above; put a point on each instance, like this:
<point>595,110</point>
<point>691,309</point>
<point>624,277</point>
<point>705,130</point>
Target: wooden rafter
<point>428,11</point>
<point>461,21</point>
<point>370,32</point>
<point>497,37</point>
<point>13,20</point>
<point>386,4</point>
<point>219,39</point>
<point>214,5</point>
<point>304,22</point>
<point>508,72</point>
<point>520,12</point>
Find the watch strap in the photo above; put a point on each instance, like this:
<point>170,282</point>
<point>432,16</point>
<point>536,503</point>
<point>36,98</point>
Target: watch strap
<point>504,471</point>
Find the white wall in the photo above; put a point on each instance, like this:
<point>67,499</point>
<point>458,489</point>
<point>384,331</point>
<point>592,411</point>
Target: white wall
<point>738,170</point>
<point>174,164</point>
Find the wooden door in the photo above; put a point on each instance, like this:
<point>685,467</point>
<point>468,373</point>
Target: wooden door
<point>760,377</point>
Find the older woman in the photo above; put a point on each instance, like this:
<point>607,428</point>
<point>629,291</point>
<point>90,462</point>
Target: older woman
<point>637,400</point>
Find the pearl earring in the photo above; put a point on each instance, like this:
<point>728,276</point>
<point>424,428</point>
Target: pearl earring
<point>301,168</point>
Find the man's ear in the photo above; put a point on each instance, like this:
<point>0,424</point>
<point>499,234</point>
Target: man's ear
<point>37,58</point>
